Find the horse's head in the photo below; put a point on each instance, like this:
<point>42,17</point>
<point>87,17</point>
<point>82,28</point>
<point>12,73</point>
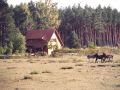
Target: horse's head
<point>88,56</point>
<point>96,54</point>
<point>111,56</point>
<point>91,56</point>
<point>104,54</point>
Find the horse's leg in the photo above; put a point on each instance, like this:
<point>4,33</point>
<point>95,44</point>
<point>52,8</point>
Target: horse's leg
<point>111,59</point>
<point>89,59</point>
<point>96,60</point>
<point>102,60</point>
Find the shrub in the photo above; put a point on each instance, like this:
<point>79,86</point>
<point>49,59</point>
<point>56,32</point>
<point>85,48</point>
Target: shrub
<point>67,50</point>
<point>72,40</point>
<point>101,65</point>
<point>19,44</point>
<point>41,54</point>
<point>67,67</point>
<point>27,77</point>
<point>46,71</point>
<point>34,72</point>
<point>1,50</point>
<point>56,54</point>
<point>8,51</point>
<point>91,45</point>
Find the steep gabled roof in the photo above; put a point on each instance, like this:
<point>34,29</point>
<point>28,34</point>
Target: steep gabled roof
<point>59,38</point>
<point>40,34</point>
<point>43,34</point>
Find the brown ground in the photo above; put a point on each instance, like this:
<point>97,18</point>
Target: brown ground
<point>63,73</point>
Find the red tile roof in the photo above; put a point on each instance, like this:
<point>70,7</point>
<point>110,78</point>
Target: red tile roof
<point>42,34</point>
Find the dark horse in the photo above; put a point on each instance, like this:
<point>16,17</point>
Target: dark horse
<point>102,57</point>
<point>109,57</point>
<point>91,56</point>
<point>97,56</point>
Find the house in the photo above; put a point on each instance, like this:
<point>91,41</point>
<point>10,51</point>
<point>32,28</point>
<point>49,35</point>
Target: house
<point>43,40</point>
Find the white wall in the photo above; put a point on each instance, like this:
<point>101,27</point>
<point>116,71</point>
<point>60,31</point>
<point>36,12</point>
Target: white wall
<point>58,43</point>
<point>54,37</point>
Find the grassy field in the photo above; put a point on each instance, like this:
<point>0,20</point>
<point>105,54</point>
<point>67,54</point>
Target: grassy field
<point>67,72</point>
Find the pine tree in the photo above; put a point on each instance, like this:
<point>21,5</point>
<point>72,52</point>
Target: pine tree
<point>19,44</point>
<point>100,26</point>
<point>16,41</point>
<point>9,32</point>
<point>99,22</point>
<point>3,10</point>
<point>73,41</point>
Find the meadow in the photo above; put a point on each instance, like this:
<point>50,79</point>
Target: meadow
<point>69,71</point>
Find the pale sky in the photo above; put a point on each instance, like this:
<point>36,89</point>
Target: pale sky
<point>63,3</point>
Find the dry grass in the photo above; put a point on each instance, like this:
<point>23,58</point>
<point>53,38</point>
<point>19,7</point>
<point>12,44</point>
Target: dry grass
<point>79,65</point>
<point>62,73</point>
<point>11,67</point>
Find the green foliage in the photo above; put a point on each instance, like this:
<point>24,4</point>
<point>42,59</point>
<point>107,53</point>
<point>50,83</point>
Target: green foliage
<point>3,11</point>
<point>1,50</point>
<point>49,45</point>
<point>73,41</point>
<point>8,51</point>
<point>23,18</point>
<point>91,25</point>
<point>44,14</point>
<point>16,39</point>
<point>19,44</point>
<point>67,50</point>
<point>52,46</point>
<point>91,45</point>
<point>5,50</point>
<point>99,22</point>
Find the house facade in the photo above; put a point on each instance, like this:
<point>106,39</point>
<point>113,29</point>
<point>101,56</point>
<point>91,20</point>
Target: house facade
<point>43,40</point>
